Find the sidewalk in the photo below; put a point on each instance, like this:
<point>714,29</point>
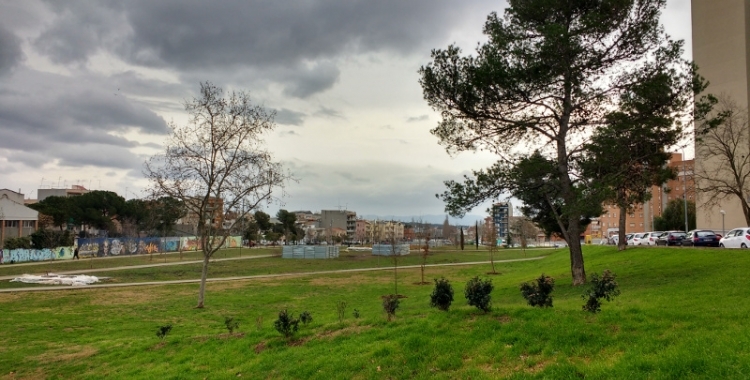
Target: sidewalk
<point>338,271</point>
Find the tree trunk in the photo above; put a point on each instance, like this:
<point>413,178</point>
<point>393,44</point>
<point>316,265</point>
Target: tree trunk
<point>622,243</point>
<point>204,274</point>
<point>576,254</point>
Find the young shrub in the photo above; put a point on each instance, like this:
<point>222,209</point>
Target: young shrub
<point>341,310</point>
<point>539,293</point>
<point>305,317</point>
<point>390,305</point>
<point>286,325</point>
<point>478,293</point>
<point>355,313</point>
<point>163,331</point>
<point>442,295</point>
<point>231,324</point>
<point>600,287</point>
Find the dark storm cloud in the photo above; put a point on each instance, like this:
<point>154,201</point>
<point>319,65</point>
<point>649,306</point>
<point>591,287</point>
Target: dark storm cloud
<point>50,117</point>
<point>10,50</point>
<point>288,117</point>
<point>301,39</point>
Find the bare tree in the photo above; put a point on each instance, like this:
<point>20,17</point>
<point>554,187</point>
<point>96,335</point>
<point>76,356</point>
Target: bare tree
<point>724,171</point>
<point>216,163</point>
<point>490,240</point>
<point>424,233</point>
<point>524,229</point>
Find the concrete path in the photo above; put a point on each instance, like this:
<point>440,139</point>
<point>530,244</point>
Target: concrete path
<point>279,275</point>
<point>94,270</point>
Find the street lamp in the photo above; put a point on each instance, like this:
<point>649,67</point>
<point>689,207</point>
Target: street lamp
<point>723,231</point>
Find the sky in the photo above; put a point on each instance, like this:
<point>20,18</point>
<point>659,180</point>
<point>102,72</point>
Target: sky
<point>88,89</point>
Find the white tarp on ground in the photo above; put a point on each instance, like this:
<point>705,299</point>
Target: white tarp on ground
<point>358,249</point>
<point>57,279</point>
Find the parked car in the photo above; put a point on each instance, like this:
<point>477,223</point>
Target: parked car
<point>652,237</point>
<point>701,238</point>
<point>671,238</point>
<point>630,239</point>
<point>736,238</point>
<point>638,238</point>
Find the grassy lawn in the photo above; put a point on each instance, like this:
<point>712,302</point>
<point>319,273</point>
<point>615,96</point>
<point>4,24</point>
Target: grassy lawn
<point>682,314</point>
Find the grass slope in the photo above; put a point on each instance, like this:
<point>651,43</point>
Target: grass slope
<point>682,314</point>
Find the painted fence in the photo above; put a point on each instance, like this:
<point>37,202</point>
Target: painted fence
<point>309,252</point>
<point>388,250</point>
<point>101,247</point>
<point>9,256</point>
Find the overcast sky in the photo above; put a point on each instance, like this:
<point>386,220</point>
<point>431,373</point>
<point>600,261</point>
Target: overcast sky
<point>87,89</point>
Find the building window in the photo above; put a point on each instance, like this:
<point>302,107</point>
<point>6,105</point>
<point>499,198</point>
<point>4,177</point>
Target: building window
<point>11,223</point>
<point>28,224</point>
<point>632,224</point>
<point>641,224</point>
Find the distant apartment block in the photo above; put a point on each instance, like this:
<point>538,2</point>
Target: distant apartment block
<point>74,191</point>
<point>501,213</point>
<point>343,219</point>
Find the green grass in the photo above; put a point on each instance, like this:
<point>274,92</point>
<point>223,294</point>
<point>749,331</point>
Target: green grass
<point>682,314</point>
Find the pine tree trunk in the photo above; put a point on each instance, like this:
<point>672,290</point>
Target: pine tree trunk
<point>622,243</point>
<point>576,253</point>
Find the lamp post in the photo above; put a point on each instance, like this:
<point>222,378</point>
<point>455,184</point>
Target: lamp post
<point>723,231</point>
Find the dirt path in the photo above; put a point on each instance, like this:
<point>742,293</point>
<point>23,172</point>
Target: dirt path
<point>338,271</point>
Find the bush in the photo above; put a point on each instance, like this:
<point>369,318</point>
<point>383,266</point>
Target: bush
<point>442,295</point>
<point>600,287</point>
<point>231,324</point>
<point>390,305</point>
<point>163,331</point>
<point>286,325</point>
<point>44,238</point>
<point>538,293</point>
<point>17,243</point>
<point>478,293</point>
<point>305,317</point>
<point>341,310</point>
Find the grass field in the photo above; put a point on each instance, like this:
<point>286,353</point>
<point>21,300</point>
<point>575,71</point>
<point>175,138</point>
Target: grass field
<point>682,314</point>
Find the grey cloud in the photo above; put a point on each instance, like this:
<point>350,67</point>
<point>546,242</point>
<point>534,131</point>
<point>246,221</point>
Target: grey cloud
<point>10,50</point>
<point>417,118</point>
<point>288,117</point>
<point>289,133</point>
<point>352,178</point>
<point>100,156</point>
<point>329,112</point>
<point>304,39</point>
<point>308,81</point>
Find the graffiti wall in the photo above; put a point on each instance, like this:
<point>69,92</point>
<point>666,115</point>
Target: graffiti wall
<point>8,256</point>
<point>100,247</point>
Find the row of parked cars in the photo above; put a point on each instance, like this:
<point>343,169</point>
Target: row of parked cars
<point>736,238</point>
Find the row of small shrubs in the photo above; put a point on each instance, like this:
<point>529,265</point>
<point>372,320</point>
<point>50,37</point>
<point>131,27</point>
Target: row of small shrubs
<point>477,292</point>
<point>537,293</point>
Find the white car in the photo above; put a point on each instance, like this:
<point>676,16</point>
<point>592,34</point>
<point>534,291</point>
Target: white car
<point>736,238</point>
<point>629,240</point>
<point>638,238</point>
<point>652,237</point>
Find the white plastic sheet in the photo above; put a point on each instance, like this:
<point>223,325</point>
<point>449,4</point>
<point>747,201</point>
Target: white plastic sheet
<point>57,279</point>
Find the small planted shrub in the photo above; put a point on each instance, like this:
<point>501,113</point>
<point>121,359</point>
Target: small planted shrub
<point>442,295</point>
<point>286,325</point>
<point>305,317</point>
<point>600,287</point>
<point>163,331</point>
<point>341,310</point>
<point>538,293</point>
<point>478,293</point>
<point>390,305</point>
<point>231,324</point>
<point>355,313</point>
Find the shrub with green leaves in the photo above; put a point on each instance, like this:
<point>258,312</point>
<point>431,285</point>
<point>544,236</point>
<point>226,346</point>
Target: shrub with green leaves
<point>163,331</point>
<point>442,294</point>
<point>600,287</point>
<point>390,305</point>
<point>538,293</point>
<point>478,293</point>
<point>231,324</point>
<point>341,310</point>
<point>305,317</point>
<point>286,325</point>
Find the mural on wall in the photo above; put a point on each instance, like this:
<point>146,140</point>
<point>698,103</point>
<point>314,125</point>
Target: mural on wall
<point>8,256</point>
<point>101,247</point>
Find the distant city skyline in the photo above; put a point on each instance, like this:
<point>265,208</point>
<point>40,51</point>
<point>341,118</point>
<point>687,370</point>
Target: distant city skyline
<point>87,90</point>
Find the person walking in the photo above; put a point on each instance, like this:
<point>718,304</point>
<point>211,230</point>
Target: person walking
<point>75,254</point>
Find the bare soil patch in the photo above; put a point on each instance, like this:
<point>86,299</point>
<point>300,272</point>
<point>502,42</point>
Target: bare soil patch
<point>66,353</point>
